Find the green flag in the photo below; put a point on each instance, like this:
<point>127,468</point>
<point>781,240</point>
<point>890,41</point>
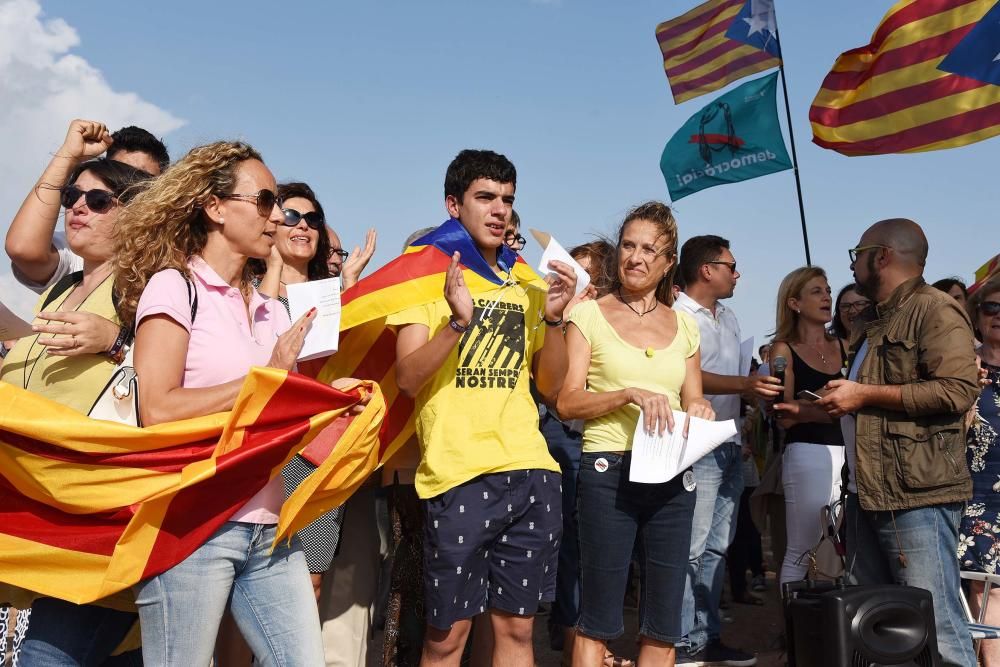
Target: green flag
<point>735,138</point>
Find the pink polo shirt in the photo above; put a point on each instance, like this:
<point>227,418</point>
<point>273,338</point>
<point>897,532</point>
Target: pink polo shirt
<point>223,345</point>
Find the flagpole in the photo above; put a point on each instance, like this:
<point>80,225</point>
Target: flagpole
<point>795,160</point>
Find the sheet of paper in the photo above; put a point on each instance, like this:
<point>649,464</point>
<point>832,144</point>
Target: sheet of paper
<point>659,458</point>
<point>12,326</point>
<point>553,250</point>
<point>746,356</point>
<point>324,336</point>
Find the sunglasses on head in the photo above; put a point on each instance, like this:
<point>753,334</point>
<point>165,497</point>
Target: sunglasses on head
<point>98,201</point>
<point>265,199</point>
<point>313,219</point>
<point>989,308</point>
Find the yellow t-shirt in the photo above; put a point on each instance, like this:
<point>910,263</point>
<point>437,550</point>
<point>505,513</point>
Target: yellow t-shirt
<point>75,382</point>
<point>476,415</point>
<point>615,365</point>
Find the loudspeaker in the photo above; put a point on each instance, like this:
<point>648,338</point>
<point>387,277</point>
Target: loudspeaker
<point>830,625</point>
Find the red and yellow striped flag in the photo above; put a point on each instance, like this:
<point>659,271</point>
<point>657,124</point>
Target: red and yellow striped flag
<point>699,57</point>
<point>88,508</point>
<point>368,349</point>
<point>891,96</point>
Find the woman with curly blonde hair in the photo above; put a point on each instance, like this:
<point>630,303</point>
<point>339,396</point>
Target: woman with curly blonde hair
<point>184,284</point>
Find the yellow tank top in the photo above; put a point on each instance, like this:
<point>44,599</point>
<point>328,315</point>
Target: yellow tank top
<point>75,382</point>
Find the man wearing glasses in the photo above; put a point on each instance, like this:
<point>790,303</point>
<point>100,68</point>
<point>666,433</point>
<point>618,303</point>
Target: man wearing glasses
<point>349,270</point>
<point>912,377</point>
<point>512,235</point>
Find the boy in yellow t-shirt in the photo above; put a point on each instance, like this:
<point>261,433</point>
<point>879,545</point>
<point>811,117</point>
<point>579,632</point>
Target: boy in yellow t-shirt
<point>490,490</point>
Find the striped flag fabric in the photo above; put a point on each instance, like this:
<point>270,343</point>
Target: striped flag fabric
<point>985,272</point>
<point>88,508</point>
<point>918,85</point>
<point>368,348</point>
<point>716,43</point>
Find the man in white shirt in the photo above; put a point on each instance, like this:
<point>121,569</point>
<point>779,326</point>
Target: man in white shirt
<point>708,270</point>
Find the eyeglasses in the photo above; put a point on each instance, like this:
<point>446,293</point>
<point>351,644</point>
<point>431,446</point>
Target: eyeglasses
<point>989,308</point>
<point>731,265</point>
<point>313,219</point>
<point>854,252</point>
<point>98,201</point>
<point>340,252</point>
<point>515,241</point>
<point>265,199</point>
<point>854,306</point>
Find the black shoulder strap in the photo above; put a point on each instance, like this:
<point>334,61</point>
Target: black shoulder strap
<point>61,287</point>
<point>192,296</point>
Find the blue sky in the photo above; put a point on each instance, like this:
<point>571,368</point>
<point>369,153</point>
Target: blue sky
<point>368,102</point>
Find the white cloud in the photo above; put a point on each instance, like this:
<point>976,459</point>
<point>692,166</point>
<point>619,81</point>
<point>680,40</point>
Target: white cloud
<point>43,87</point>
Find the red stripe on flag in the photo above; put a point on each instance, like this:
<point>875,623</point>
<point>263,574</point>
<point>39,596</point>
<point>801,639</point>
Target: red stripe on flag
<point>379,358</point>
<point>892,102</point>
<point>396,417</point>
<point>912,54</point>
<point>37,522</point>
<point>721,73</point>
<point>400,270</point>
<point>673,50</point>
<point>704,58</point>
<point>913,12</point>
<point>940,130</point>
<point>670,29</point>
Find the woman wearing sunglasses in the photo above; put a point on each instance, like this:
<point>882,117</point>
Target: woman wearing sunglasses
<point>67,361</point>
<point>197,226</point>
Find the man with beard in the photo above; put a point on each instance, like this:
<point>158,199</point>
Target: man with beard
<point>912,377</point>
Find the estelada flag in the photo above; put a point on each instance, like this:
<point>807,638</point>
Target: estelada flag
<point>735,138</point>
<point>927,81</point>
<point>368,348</point>
<point>716,43</point>
<point>88,508</point>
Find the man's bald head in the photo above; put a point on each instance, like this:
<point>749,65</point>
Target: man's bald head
<point>905,237</point>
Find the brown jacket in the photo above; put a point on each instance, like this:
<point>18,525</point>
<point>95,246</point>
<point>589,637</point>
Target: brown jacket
<point>919,338</point>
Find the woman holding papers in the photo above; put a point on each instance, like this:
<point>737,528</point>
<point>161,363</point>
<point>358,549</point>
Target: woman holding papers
<point>185,283</point>
<point>631,358</point>
<point>814,445</point>
<point>68,361</point>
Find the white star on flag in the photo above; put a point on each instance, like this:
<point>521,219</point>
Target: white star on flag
<point>762,18</point>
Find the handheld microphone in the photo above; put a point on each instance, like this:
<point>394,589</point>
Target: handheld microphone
<point>778,368</point>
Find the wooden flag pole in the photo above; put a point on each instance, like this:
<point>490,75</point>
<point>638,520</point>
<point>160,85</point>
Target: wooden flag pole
<point>795,160</point>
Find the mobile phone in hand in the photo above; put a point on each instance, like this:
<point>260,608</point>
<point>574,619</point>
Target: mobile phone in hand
<point>806,395</point>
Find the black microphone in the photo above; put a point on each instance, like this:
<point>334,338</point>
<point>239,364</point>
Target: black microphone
<point>778,369</point>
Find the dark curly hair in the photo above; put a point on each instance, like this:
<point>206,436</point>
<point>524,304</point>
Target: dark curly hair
<point>472,164</point>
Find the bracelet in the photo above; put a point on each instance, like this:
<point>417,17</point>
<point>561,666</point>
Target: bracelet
<point>453,323</point>
<point>117,350</point>
<point>551,323</point>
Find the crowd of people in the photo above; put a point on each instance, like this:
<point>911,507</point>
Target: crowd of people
<point>876,409</point>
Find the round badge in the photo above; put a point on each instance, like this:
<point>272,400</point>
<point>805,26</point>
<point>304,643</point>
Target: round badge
<point>601,465</point>
<point>689,483</point>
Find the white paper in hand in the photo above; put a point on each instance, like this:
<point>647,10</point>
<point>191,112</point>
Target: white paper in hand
<point>659,458</point>
<point>554,251</point>
<point>12,326</point>
<point>323,337</point>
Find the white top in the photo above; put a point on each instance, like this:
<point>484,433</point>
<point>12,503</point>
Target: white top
<point>720,349</point>
<point>68,263</point>
<point>849,424</point>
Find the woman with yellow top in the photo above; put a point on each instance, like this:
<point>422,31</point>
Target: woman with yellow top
<point>631,355</point>
<point>68,362</point>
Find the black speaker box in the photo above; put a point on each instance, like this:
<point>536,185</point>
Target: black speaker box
<point>832,625</point>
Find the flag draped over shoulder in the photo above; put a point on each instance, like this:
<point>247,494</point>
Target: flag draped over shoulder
<point>368,348</point>
<point>88,508</point>
<point>716,43</point>
<point>735,138</point>
<point>927,81</point>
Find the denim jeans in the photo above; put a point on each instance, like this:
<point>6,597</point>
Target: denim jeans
<point>565,447</point>
<point>928,536</point>
<point>270,594</point>
<point>617,515</point>
<point>61,633</point>
<point>719,476</point>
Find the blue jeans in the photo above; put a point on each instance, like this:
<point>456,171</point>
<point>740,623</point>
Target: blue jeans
<point>61,633</point>
<point>270,594</point>
<point>928,536</point>
<point>565,446</point>
<point>617,515</point>
<point>719,476</point>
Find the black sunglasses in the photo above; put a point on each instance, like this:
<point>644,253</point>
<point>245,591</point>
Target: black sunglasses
<point>731,265</point>
<point>989,308</point>
<point>266,200</point>
<point>515,241</point>
<point>98,201</point>
<point>313,219</point>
